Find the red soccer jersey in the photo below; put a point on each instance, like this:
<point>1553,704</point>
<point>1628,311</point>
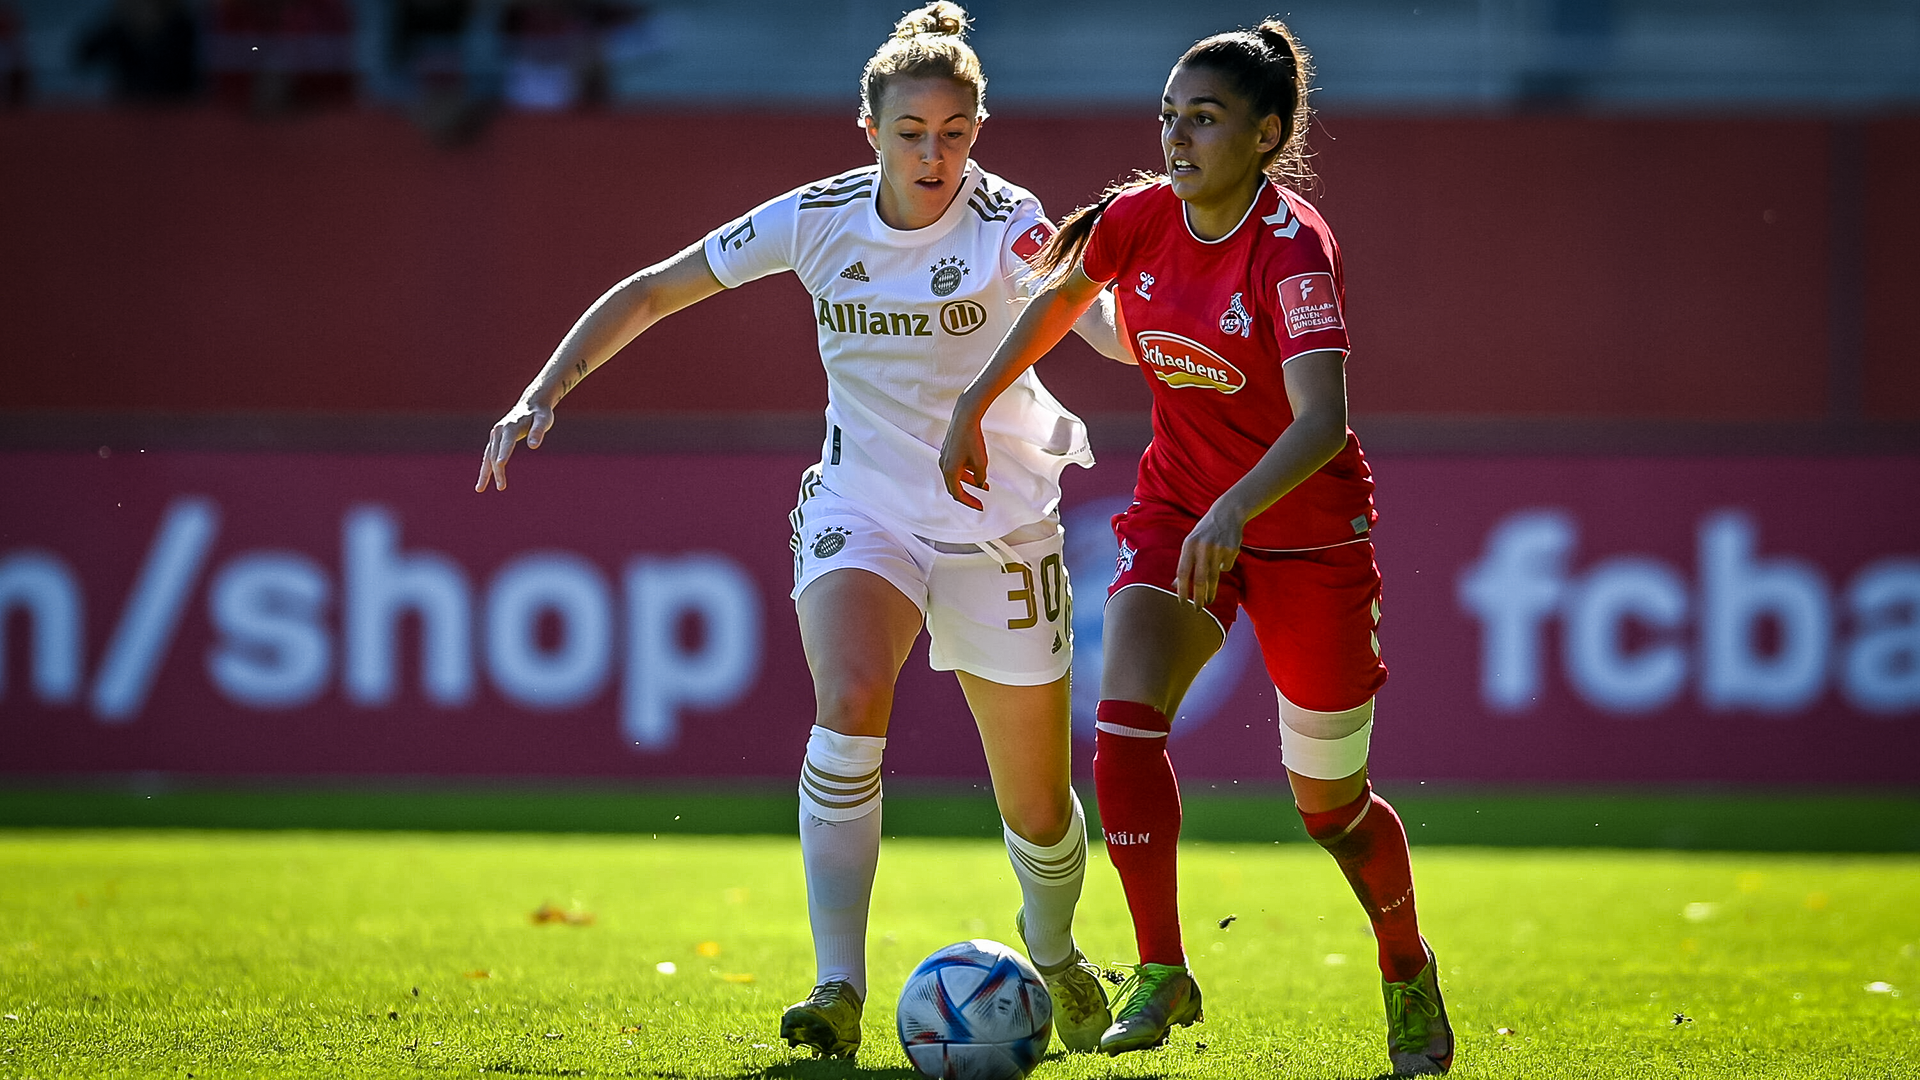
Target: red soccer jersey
<point>1211,323</point>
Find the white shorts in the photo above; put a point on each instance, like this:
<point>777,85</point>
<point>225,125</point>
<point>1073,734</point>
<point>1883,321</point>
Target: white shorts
<point>1005,615</point>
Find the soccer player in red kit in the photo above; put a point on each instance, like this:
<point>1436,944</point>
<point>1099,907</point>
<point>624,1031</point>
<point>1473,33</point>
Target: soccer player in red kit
<point>1253,494</point>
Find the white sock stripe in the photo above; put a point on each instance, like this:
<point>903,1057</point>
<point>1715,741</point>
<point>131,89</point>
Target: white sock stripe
<point>837,811</point>
<point>1057,871</point>
<point>811,773</point>
<point>1060,862</point>
<point>1351,825</point>
<point>831,801</point>
<point>1130,732</point>
<point>1070,849</point>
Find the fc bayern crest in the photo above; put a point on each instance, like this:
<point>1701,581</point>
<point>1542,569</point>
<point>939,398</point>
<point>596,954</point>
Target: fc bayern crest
<point>829,542</point>
<point>1235,319</point>
<point>947,274</point>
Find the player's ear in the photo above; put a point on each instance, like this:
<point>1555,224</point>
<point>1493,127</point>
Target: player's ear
<point>871,125</point>
<point>1273,131</point>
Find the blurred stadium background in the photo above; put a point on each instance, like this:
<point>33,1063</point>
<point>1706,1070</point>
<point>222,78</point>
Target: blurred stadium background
<point>1633,293</point>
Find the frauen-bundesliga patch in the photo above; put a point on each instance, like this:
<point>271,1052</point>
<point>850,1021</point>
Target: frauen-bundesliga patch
<point>1309,304</point>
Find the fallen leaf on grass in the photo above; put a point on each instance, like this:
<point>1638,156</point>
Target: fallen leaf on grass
<point>1681,1018</point>
<point>708,949</point>
<point>735,977</point>
<point>630,1029</point>
<point>1228,921</point>
<point>1505,1031</point>
<point>479,974</point>
<point>548,913</point>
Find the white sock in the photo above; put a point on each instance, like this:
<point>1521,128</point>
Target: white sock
<point>840,848</point>
<point>1050,880</point>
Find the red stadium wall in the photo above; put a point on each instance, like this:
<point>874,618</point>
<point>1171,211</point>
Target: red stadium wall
<point>1625,611</point>
<point>1666,269</point>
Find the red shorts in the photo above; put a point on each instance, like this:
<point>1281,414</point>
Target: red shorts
<point>1316,613</point>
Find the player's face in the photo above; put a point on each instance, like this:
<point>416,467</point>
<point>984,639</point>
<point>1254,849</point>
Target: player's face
<point>1212,141</point>
<point>923,130</point>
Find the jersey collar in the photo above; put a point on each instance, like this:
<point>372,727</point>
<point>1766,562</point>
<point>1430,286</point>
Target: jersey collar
<point>891,236</point>
<point>1265,186</point>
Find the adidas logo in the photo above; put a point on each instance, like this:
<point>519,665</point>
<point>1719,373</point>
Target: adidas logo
<point>856,272</point>
<point>1057,643</point>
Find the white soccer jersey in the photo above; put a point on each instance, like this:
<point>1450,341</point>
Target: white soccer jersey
<point>906,319</point>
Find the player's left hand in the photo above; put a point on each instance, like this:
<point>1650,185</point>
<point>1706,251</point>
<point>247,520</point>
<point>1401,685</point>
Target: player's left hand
<point>963,458</point>
<point>1210,550</point>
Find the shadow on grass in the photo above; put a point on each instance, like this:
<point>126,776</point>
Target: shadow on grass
<point>828,1069</point>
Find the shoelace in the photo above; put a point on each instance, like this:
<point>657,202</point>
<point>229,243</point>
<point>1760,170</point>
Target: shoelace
<point>1080,997</point>
<point>825,995</point>
<point>1137,991</point>
<point>1404,999</point>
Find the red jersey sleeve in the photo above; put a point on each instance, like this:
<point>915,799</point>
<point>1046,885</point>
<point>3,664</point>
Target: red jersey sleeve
<point>1309,294</point>
<point>1107,246</point>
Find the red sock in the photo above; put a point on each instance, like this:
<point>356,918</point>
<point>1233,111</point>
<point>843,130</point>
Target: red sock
<point>1140,813</point>
<point>1366,838</point>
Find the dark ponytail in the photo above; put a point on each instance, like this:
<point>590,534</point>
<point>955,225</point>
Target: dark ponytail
<point>1268,66</point>
<point>1062,253</point>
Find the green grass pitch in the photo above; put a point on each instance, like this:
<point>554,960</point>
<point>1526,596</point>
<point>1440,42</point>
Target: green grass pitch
<point>253,953</point>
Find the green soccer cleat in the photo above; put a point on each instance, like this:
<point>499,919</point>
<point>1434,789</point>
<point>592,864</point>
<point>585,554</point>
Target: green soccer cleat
<point>1419,1039</point>
<point>1080,1011</point>
<point>1154,999</point>
<point>828,1021</point>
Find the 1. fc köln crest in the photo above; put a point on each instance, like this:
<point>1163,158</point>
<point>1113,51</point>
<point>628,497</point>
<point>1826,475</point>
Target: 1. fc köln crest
<point>1235,319</point>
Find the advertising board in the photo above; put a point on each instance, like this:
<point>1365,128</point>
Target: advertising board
<point>1546,620</point>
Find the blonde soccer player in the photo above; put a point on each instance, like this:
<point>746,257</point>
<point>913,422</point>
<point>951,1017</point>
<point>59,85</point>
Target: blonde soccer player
<point>914,265</point>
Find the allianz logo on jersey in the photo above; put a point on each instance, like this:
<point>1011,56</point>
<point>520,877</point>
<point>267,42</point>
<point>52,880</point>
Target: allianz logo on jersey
<point>1180,362</point>
<point>957,317</point>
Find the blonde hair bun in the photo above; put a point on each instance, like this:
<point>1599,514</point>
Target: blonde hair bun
<point>930,42</point>
<point>938,18</point>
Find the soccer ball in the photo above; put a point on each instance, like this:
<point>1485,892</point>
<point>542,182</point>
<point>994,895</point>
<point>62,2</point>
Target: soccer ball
<point>975,1011</point>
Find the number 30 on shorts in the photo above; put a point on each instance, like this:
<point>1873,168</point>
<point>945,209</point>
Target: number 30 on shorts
<point>1052,593</point>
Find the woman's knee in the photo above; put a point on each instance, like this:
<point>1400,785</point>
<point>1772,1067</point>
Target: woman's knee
<point>1039,818</point>
<point>853,703</point>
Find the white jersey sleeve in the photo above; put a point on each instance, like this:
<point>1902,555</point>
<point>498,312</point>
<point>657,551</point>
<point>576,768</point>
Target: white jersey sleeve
<point>1028,232</point>
<point>757,243</point>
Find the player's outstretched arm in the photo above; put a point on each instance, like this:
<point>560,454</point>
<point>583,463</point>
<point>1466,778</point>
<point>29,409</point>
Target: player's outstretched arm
<point>1047,318</point>
<point>619,316</point>
<point>1099,327</point>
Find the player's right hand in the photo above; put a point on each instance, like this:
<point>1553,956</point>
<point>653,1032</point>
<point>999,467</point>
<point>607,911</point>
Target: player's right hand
<point>523,421</point>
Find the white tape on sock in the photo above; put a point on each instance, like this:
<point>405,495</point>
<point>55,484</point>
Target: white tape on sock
<point>1325,746</point>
